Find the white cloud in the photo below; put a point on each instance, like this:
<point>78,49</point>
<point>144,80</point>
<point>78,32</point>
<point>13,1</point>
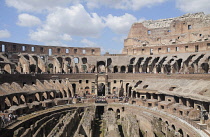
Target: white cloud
<point>88,43</point>
<point>43,5</point>
<point>120,24</point>
<point>123,4</point>
<point>67,22</point>
<point>193,6</point>
<point>37,5</point>
<point>66,37</point>
<point>27,20</point>
<point>4,34</point>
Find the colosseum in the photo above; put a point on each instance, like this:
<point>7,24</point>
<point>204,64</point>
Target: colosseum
<point>158,87</point>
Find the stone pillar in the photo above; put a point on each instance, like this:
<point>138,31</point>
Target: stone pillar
<point>96,84</point>
<point>131,93</point>
<point>162,69</point>
<point>106,85</point>
<point>106,68</point>
<point>155,69</point>
<point>159,99</point>
<point>152,96</point>
<point>180,101</point>
<point>140,68</point>
<point>148,68</point>
<point>134,70</point>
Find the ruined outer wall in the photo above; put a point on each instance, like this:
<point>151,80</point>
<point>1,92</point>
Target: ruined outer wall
<point>184,32</point>
<point>38,49</point>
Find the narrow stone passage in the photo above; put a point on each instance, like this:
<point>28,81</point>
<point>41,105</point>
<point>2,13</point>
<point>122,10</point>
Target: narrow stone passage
<point>98,132</point>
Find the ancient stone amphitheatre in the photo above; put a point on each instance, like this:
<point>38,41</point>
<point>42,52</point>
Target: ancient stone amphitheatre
<point>158,87</point>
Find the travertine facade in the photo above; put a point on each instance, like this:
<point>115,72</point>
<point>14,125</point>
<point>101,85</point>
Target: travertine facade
<point>158,87</point>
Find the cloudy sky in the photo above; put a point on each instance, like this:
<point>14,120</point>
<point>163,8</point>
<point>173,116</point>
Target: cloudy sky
<point>85,23</point>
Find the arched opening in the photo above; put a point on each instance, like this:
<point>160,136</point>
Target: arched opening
<point>115,69</point>
<point>130,69</point>
<point>60,60</point>
<point>33,68</point>
<point>37,97</point>
<point>122,69</point>
<point>15,101</point>
<point>68,59</point>
<point>110,109</point>
<point>118,114</point>
<point>101,89</point>
<point>132,60</point>
<point>22,99</point>
<point>44,96</point>
<point>101,66</point>
<point>181,132</point>
<point>87,90</point>
<point>137,83</point>
<point>173,127</point>
<point>205,67</point>
<point>76,60</point>
<point>52,96</point>
<point>26,57</point>
<point>84,60</point>
<point>50,68</point>
<point>114,90</point>
<point>74,88</point>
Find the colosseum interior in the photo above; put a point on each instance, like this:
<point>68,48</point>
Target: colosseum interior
<point>158,87</point>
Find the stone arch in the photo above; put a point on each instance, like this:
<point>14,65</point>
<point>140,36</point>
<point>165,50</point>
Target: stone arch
<point>123,69</point>
<point>181,133</point>
<point>114,90</point>
<point>7,103</point>
<point>68,59</point>
<point>32,68</point>
<point>115,69</point>
<point>87,90</point>
<point>37,67</point>
<point>118,113</point>
<point>76,60</point>
<point>130,69</point>
<point>205,67</point>
<point>110,109</point>
<point>84,60</point>
<point>60,60</point>
<point>26,57</point>
<point>50,68</point>
<point>74,88</point>
<point>173,127</point>
<point>44,96</point>
<point>15,101</point>
<point>101,66</point>
<point>101,89</point>
<point>37,97</point>
<point>22,99</point>
<point>132,60</point>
